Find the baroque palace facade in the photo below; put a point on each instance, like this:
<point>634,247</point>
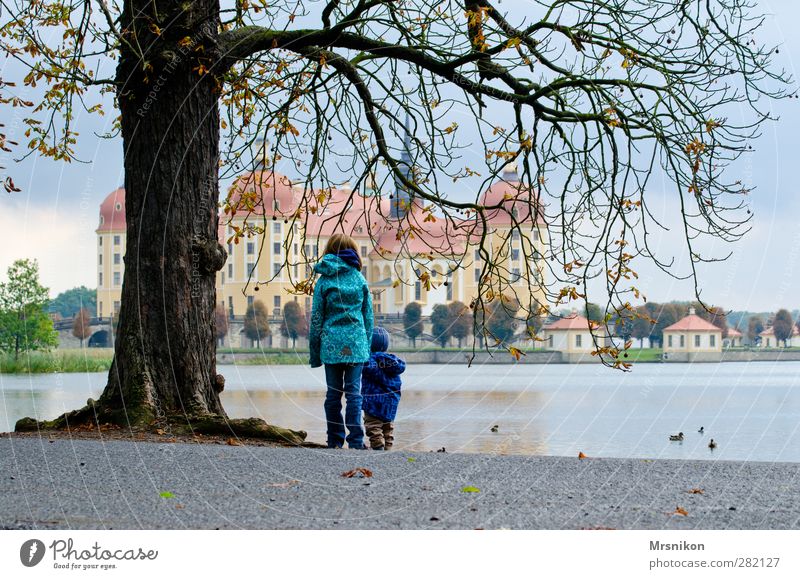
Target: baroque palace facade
<point>398,240</point>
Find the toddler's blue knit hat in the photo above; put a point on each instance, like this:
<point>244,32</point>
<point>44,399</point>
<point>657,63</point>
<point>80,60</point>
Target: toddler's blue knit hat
<point>380,340</point>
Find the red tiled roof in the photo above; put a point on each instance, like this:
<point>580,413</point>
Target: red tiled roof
<point>574,322</point>
<point>734,333</point>
<point>692,323</point>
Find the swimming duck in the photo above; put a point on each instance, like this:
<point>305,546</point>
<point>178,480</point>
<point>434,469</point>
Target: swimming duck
<point>676,437</point>
<point>495,428</point>
<point>712,445</point>
<point>701,430</point>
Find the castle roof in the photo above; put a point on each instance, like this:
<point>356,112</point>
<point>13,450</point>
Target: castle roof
<point>692,323</point>
<point>112,212</point>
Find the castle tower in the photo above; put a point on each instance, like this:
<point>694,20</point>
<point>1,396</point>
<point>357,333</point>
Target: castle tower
<point>401,202</point>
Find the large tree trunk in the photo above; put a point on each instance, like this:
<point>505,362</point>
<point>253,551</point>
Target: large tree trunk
<point>164,369</point>
<point>164,362</point>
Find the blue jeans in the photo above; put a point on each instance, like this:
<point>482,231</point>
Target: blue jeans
<point>344,379</point>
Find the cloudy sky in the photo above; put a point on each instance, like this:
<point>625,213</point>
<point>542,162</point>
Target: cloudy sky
<point>54,217</point>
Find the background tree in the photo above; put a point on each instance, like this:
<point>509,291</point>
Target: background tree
<point>441,324</point>
<point>713,314</point>
<point>220,324</point>
<point>665,316</point>
<point>783,325</point>
<point>755,325</point>
<point>24,325</point>
<point>68,303</point>
<point>583,96</point>
<point>501,322</point>
<point>294,323</point>
<point>594,313</point>
<point>412,322</point>
<point>81,325</point>
<point>641,326</point>
<point>461,317</point>
<point>256,322</point>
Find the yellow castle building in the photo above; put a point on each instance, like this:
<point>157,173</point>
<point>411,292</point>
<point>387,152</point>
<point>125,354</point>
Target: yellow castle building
<point>408,256</point>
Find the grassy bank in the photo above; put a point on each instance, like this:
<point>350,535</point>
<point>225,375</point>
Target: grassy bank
<point>77,360</point>
<point>644,355</point>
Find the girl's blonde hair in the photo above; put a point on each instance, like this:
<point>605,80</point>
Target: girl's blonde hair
<point>340,241</point>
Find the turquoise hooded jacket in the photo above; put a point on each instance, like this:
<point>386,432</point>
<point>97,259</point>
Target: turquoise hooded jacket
<point>341,315</point>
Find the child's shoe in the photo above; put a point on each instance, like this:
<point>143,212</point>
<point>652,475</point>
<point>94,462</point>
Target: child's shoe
<point>377,447</point>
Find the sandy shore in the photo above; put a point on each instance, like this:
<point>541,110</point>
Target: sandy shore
<point>91,484</point>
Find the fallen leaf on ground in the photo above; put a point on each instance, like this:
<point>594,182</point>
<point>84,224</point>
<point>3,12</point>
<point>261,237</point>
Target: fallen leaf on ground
<point>233,442</point>
<point>695,491</point>
<point>412,459</point>
<point>160,431</point>
<point>680,511</point>
<point>178,506</point>
<point>434,519</point>
<point>284,485</point>
<point>581,456</point>
<point>470,489</point>
<point>359,472</point>
<point>166,495</point>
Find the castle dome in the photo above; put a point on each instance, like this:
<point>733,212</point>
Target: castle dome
<point>112,212</point>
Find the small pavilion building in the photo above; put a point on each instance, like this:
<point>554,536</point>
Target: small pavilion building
<point>690,336</point>
<point>572,336</point>
<point>768,339</point>
<point>733,339</point>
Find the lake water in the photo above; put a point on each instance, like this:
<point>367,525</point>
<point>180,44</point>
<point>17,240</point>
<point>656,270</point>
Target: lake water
<point>751,409</point>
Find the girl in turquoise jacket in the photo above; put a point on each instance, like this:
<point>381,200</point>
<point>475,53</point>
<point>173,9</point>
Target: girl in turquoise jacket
<point>339,336</point>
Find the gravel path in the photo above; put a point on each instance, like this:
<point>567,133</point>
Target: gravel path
<point>85,484</point>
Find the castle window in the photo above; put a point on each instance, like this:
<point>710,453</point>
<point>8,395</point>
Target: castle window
<point>250,268</point>
<point>117,279</point>
<point>276,248</point>
<point>116,259</point>
<point>251,248</point>
<point>116,240</point>
<point>276,228</point>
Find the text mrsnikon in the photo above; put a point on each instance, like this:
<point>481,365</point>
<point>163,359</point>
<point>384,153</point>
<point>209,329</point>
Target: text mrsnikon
<point>681,546</point>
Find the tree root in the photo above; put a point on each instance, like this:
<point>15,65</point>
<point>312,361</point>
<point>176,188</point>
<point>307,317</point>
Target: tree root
<point>241,427</point>
<point>94,415</point>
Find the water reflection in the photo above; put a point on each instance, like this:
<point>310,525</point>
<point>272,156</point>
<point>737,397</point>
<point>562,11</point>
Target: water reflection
<point>752,410</point>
